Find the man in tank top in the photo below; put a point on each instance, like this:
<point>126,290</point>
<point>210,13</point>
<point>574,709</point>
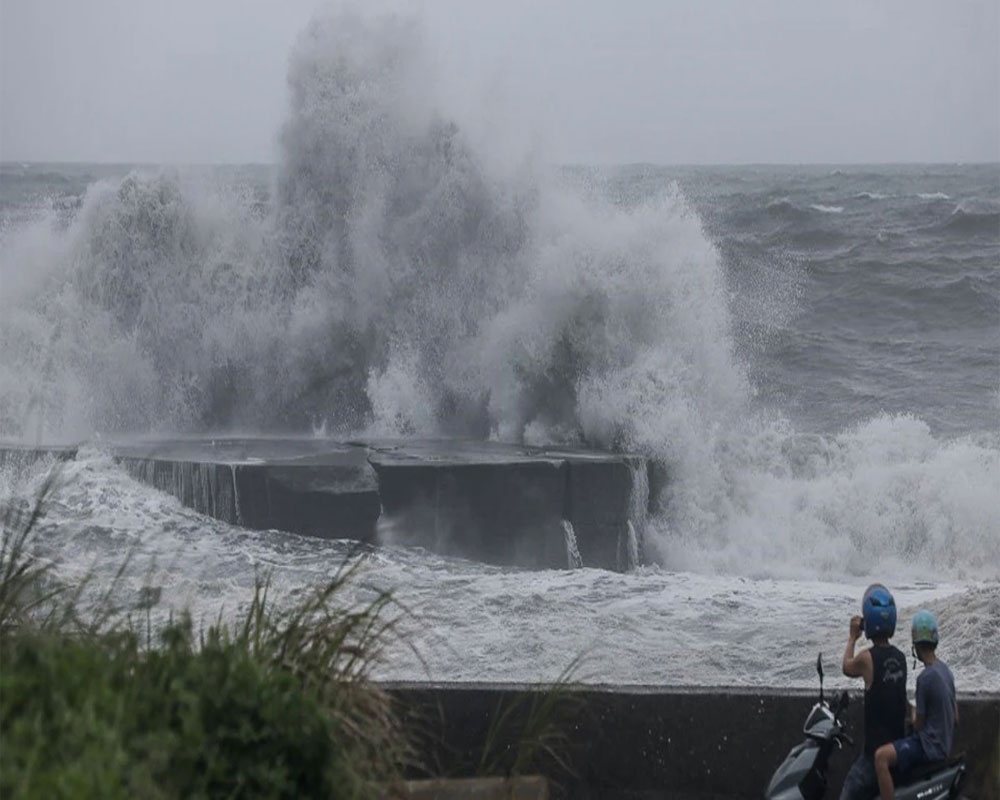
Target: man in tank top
<point>933,717</point>
<point>883,668</point>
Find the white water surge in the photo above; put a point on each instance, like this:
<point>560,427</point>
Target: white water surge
<point>471,622</point>
<point>400,280</point>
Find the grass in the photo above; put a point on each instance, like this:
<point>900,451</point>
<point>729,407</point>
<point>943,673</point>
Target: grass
<point>23,593</point>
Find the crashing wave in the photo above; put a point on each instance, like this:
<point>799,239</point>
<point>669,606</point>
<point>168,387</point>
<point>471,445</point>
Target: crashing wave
<point>972,217</point>
<point>781,204</point>
<point>401,281</point>
<point>396,280</point>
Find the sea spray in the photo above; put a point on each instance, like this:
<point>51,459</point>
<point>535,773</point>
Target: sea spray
<point>396,283</point>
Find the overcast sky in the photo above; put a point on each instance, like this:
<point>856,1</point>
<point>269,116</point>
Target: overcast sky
<point>699,81</point>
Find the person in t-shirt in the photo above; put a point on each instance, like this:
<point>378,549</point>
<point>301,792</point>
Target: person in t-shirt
<point>883,668</point>
<point>934,716</point>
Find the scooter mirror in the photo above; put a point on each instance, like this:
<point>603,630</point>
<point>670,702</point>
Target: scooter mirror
<point>819,669</point>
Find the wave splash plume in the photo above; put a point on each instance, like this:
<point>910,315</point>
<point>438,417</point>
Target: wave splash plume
<point>394,281</point>
<point>398,280</point>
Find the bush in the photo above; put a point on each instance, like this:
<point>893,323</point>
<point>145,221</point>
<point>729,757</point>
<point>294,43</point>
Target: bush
<point>101,718</point>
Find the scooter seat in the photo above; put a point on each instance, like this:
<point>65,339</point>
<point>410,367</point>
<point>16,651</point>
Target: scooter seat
<point>926,770</point>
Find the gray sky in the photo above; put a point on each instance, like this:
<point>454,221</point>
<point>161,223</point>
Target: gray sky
<point>709,81</point>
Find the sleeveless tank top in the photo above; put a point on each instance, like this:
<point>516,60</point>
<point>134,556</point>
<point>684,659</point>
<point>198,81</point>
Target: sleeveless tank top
<point>885,700</point>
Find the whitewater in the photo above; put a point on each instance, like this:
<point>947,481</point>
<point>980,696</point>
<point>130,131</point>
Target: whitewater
<point>812,355</point>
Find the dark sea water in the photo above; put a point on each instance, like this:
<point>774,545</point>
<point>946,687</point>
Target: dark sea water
<point>858,290</point>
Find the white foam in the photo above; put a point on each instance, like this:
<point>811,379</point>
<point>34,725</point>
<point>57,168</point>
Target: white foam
<point>475,622</point>
<point>885,497</point>
<point>933,196</point>
<point>827,209</point>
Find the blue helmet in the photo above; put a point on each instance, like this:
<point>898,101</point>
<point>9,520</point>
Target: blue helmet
<point>879,611</point>
<point>924,629</point>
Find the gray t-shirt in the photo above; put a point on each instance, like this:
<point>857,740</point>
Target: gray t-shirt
<point>936,704</point>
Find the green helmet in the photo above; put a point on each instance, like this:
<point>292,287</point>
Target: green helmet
<point>924,628</point>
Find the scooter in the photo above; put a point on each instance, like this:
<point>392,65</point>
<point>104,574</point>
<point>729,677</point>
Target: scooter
<point>803,773</point>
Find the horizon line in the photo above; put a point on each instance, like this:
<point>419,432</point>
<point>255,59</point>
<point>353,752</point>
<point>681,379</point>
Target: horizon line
<point>641,163</point>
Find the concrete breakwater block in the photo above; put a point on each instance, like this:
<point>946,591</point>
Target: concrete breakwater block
<point>509,505</point>
<point>502,512</point>
<point>497,503</point>
<point>326,490</point>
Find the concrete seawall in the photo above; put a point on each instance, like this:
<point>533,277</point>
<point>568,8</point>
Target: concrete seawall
<point>496,503</point>
<point>641,743</point>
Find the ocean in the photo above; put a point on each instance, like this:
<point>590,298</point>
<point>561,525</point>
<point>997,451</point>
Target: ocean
<point>811,353</point>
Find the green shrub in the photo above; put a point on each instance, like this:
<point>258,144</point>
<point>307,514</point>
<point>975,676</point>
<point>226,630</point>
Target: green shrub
<point>101,718</point>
